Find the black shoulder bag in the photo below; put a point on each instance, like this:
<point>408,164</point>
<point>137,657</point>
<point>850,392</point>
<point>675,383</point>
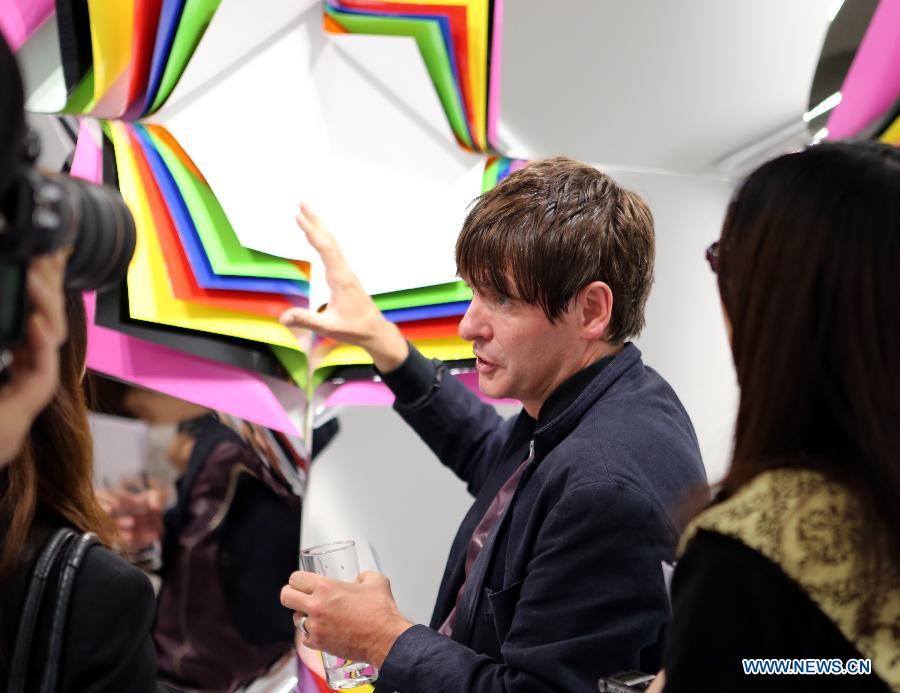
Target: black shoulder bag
<point>68,548</point>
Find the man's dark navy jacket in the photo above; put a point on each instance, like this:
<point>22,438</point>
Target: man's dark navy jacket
<point>570,586</point>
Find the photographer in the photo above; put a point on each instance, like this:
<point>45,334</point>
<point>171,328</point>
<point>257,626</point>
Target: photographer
<point>55,584</point>
<point>47,486</point>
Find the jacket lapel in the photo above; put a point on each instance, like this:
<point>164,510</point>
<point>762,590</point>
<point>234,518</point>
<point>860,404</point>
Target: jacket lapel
<point>468,603</point>
<point>454,573</point>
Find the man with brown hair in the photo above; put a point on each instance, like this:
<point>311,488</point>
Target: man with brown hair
<point>554,578</point>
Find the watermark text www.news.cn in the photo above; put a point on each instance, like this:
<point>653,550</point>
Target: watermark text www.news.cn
<point>817,667</point>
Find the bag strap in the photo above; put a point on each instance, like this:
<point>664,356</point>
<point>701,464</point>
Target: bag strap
<point>72,559</point>
<point>28,620</point>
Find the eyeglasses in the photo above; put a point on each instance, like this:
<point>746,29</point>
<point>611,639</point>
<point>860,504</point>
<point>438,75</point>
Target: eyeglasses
<point>712,257</point>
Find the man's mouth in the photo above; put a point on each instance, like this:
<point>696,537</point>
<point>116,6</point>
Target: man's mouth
<point>483,365</point>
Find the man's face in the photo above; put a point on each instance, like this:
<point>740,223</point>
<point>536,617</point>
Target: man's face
<point>521,354</point>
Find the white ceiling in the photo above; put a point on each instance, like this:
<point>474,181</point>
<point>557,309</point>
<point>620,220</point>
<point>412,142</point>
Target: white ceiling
<point>655,83</point>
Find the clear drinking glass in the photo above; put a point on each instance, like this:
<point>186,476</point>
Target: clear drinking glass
<point>338,561</point>
<point>131,495</point>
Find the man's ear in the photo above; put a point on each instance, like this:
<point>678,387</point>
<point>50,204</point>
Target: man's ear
<point>595,303</point>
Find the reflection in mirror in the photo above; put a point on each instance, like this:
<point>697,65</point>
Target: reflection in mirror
<point>213,509</point>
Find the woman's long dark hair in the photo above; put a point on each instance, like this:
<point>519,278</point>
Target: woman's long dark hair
<point>810,280</point>
<point>52,477</point>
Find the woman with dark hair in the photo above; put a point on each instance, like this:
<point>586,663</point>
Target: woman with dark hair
<point>798,557</point>
<point>48,485</point>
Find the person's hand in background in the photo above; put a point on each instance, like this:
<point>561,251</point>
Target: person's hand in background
<point>34,372</point>
<point>137,511</point>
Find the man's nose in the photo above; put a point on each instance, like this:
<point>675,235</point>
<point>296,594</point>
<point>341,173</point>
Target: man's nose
<point>475,324</point>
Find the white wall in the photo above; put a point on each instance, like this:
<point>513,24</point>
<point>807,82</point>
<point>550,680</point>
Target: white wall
<point>685,338</point>
<point>378,482</point>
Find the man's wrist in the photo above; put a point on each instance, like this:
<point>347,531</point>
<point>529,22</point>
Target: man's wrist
<point>388,348</point>
<point>389,635</point>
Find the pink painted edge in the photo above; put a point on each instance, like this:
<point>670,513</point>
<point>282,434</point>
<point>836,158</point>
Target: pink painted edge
<point>493,114</point>
<point>163,369</point>
<point>374,394</point>
<point>517,164</point>
<point>87,161</point>
<point>872,83</point>
<point>306,683</point>
<point>20,20</point>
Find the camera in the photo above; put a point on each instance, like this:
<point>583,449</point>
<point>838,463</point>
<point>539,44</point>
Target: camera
<point>626,681</point>
<point>41,212</point>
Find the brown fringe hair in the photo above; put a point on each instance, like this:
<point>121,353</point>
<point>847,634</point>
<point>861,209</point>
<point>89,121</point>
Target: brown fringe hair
<point>553,227</point>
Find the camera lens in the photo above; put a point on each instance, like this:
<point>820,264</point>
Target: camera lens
<point>92,219</point>
<point>40,213</point>
<point>104,239</point>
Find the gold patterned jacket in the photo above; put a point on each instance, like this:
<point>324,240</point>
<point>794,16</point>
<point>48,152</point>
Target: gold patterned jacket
<point>808,526</point>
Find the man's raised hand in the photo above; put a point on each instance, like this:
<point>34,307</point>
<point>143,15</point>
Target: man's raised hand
<point>351,315</point>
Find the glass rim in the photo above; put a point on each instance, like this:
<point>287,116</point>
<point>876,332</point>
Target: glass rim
<point>330,547</point>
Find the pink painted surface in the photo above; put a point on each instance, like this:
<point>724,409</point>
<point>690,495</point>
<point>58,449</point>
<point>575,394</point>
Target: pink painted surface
<point>309,671</point>
<point>493,114</point>
<point>367,393</point>
<point>87,162</point>
<point>214,385</point>
<point>19,19</point>
<point>873,81</point>
<point>163,369</point>
<point>306,683</point>
<point>517,164</point>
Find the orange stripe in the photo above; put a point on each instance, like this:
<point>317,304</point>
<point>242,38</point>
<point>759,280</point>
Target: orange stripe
<point>173,144</point>
<point>331,26</point>
<point>304,266</point>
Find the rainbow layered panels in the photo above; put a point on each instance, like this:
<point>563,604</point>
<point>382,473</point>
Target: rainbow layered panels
<point>212,272</point>
<point>459,42</point>
<point>117,59</point>
<point>190,272</point>
<point>497,168</point>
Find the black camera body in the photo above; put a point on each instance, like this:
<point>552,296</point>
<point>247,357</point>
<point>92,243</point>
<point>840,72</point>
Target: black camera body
<point>41,212</point>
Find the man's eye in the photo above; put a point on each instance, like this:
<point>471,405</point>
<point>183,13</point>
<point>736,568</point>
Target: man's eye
<point>502,300</point>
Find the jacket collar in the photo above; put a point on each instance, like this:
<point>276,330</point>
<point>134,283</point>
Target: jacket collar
<point>569,390</point>
<point>564,408</point>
